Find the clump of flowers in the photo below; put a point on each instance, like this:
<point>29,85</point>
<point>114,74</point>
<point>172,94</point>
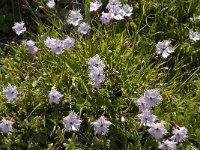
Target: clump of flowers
<point>116,11</point>
<point>19,27</point>
<point>164,48</point>
<point>57,45</point>
<point>195,36</point>
<point>96,67</point>
<point>94,6</point>
<point>6,126</point>
<point>10,92</point>
<point>32,49</point>
<point>54,96</point>
<point>101,126</point>
<point>72,122</point>
<point>145,103</point>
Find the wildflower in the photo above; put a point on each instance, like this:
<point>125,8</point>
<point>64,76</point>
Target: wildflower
<point>101,126</point>
<point>167,145</point>
<point>123,119</point>
<point>97,74</point>
<point>30,43</point>
<point>56,45</point>
<point>19,28</point>
<point>54,96</point>
<point>31,46</point>
<point>142,104</point>
<point>95,61</point>
<point>152,97</point>
<point>164,48</point>
<point>116,13</point>
<point>179,134</point>
<point>51,3</point>
<point>96,71</point>
<point>68,42</point>
<point>147,118</point>
<point>105,17</point>
<point>10,92</point>
<point>6,126</point>
<point>195,36</point>
<point>157,130</point>
<point>74,17</point>
<point>127,10</point>
<point>83,28</point>
<point>113,3</point>
<point>72,122</point>
<point>94,6</point>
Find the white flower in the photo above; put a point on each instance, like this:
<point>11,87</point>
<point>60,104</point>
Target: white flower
<point>195,36</point>
<point>83,28</point>
<point>6,126</point>
<point>164,48</point>
<point>117,13</point>
<point>95,61</point>
<point>74,17</point>
<point>51,3</point>
<point>54,96</point>
<point>142,104</point>
<point>167,145</point>
<point>128,10</point>
<point>113,3</point>
<point>31,46</point>
<point>30,43</point>
<point>97,74</point>
<point>123,119</point>
<point>94,6</point>
<point>10,92</point>
<point>72,122</point>
<point>68,42</point>
<point>179,134</point>
<point>105,17</point>
<point>19,28</point>
<point>147,119</point>
<point>101,126</point>
<point>152,97</point>
<point>96,67</point>
<point>56,45</point>
<point>157,130</point>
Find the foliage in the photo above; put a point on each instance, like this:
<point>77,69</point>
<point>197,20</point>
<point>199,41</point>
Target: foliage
<point>130,69</point>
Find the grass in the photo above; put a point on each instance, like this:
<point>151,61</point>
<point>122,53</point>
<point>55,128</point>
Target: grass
<point>129,71</point>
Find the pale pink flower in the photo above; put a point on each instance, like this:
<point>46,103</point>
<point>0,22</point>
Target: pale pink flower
<point>10,92</point>
<point>157,130</point>
<point>72,122</point>
<point>19,28</point>
<point>94,6</point>
<point>6,126</point>
<point>101,126</point>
